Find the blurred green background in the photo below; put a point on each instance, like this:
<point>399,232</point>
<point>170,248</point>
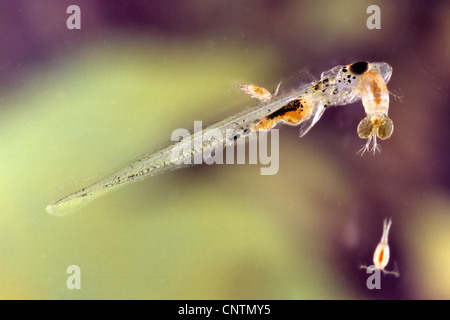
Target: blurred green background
<point>76,104</point>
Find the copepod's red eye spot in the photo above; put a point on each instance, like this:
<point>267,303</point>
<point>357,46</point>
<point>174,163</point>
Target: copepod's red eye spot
<point>381,256</point>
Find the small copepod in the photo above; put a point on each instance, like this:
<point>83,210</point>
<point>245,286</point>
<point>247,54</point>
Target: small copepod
<point>257,92</point>
<point>382,253</point>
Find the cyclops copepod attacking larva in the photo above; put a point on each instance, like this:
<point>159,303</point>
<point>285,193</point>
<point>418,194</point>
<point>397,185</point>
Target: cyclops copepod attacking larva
<point>304,106</point>
<point>375,98</point>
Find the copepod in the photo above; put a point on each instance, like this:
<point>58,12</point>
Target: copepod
<point>382,253</point>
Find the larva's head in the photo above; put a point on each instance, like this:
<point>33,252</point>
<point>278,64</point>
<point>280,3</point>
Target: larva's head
<point>374,126</point>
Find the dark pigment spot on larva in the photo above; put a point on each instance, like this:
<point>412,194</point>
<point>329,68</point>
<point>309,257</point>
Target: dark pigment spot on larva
<point>291,106</point>
<point>359,67</point>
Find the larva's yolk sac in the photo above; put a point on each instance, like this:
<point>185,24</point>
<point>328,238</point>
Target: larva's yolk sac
<point>376,125</point>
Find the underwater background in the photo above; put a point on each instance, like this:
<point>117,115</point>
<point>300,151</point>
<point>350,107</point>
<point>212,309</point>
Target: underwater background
<point>77,104</point>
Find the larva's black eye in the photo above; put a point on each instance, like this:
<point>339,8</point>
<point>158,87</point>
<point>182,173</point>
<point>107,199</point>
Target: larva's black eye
<point>359,67</point>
